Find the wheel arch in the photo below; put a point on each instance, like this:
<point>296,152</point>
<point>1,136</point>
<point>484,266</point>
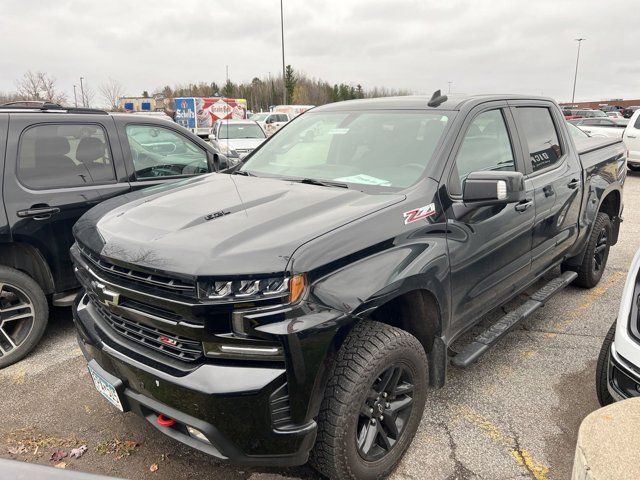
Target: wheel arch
<point>28,259</point>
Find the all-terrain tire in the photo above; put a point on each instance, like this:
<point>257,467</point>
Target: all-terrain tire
<point>590,271</point>
<point>21,328</point>
<point>370,351</point>
<point>602,381</point>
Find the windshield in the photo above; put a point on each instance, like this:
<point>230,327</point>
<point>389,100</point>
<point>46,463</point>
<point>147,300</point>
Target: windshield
<point>259,117</point>
<point>244,130</point>
<point>388,149</point>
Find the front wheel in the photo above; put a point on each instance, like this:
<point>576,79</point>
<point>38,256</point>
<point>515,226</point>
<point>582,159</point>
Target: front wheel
<point>23,315</point>
<point>633,168</point>
<point>373,403</point>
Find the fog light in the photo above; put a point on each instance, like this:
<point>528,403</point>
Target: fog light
<point>195,433</point>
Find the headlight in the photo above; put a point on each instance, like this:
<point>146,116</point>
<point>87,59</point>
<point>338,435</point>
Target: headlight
<point>229,152</point>
<point>289,289</point>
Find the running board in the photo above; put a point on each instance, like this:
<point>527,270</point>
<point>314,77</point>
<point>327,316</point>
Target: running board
<point>474,350</point>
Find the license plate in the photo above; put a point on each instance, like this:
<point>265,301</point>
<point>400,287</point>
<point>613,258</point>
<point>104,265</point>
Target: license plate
<point>107,390</point>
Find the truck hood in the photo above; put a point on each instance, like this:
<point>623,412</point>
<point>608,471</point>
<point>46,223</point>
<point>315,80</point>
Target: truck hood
<point>221,224</point>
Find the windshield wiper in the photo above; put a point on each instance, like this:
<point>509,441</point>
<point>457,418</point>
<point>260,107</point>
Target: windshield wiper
<point>322,183</point>
<point>243,172</point>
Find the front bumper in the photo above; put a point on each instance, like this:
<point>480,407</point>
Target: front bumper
<point>233,406</point>
<point>623,377</point>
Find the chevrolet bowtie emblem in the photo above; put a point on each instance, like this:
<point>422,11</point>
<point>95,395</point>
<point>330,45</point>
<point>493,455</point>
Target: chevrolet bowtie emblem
<point>106,296</point>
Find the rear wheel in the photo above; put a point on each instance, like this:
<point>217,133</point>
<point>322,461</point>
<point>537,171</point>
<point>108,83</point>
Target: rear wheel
<point>373,403</point>
<point>602,380</point>
<point>23,315</point>
<point>634,168</point>
<point>596,253</point>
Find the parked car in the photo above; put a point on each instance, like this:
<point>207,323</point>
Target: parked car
<point>270,122</point>
<point>57,164</point>
<point>611,108</point>
<point>629,111</point>
<point>631,138</point>
<point>604,126</point>
<point>588,113</point>
<point>308,306</point>
<point>615,114</point>
<point>618,367</point>
<point>237,138</point>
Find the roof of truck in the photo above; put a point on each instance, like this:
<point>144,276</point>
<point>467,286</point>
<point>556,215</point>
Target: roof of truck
<point>419,102</point>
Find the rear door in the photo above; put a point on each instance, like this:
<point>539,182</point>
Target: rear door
<point>555,171</point>
<point>489,246</point>
<point>57,167</point>
<point>159,153</point>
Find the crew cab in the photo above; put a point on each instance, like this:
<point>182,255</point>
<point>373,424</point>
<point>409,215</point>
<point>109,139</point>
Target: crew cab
<point>305,308</point>
<point>57,163</point>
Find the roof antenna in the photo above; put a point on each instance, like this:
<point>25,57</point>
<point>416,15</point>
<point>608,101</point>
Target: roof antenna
<point>437,99</point>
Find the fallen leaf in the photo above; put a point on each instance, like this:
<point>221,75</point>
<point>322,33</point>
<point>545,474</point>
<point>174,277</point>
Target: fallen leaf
<point>58,455</point>
<point>153,467</point>
<point>61,465</point>
<point>78,452</point>
<point>17,450</point>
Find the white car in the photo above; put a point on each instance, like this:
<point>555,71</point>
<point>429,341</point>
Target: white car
<point>237,138</point>
<point>618,367</point>
<point>270,121</point>
<point>614,114</point>
<point>603,126</point>
<point>631,137</point>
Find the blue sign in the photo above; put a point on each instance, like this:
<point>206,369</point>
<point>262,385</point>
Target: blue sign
<point>186,112</point>
<point>128,105</point>
<point>145,106</point>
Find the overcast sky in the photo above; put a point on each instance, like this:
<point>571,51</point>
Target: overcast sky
<point>480,46</point>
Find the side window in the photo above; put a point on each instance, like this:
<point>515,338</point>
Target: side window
<point>64,155</point>
<point>160,152</point>
<point>282,118</point>
<point>636,125</point>
<point>486,146</point>
<point>541,135</point>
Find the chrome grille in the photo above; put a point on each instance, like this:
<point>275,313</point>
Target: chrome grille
<point>175,346</point>
<point>169,284</point>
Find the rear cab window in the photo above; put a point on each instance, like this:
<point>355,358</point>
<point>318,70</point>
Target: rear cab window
<point>64,155</point>
<point>541,137</point>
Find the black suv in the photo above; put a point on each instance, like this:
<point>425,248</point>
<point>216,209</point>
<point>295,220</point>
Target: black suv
<point>56,164</point>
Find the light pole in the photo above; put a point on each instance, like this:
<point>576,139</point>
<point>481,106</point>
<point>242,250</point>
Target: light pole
<point>82,92</point>
<point>575,76</point>
<point>284,83</point>
<point>75,95</point>
<point>449,86</point>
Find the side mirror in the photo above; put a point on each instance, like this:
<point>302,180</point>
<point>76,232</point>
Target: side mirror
<point>221,162</point>
<point>212,136</point>
<point>269,120</point>
<point>493,188</point>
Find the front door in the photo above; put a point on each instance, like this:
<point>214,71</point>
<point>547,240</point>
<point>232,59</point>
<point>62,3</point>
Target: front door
<point>489,246</point>
<point>54,173</point>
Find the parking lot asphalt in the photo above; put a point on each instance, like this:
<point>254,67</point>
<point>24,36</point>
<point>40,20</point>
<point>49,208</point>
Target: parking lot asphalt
<point>515,414</point>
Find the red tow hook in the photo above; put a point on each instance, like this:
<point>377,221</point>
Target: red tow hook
<point>165,421</point>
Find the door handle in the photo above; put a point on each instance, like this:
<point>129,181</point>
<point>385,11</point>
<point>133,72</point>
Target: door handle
<point>38,213</point>
<point>574,183</point>
<point>524,204</point>
<point>631,136</point>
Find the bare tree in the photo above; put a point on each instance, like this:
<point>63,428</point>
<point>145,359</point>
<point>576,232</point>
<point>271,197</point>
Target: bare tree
<point>111,91</point>
<point>39,86</point>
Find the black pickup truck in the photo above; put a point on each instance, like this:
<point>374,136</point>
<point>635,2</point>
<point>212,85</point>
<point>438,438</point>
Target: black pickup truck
<point>55,164</point>
<point>303,305</point>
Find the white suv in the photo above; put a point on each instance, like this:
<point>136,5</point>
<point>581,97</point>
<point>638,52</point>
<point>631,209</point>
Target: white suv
<point>618,369</point>
<point>631,138</point>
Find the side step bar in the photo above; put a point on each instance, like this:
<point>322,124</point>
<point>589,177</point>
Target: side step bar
<point>474,350</point>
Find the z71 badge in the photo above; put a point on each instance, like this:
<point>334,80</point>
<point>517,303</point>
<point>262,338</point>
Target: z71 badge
<point>419,213</point>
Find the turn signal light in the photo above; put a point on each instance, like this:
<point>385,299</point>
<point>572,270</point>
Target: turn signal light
<point>296,287</point>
